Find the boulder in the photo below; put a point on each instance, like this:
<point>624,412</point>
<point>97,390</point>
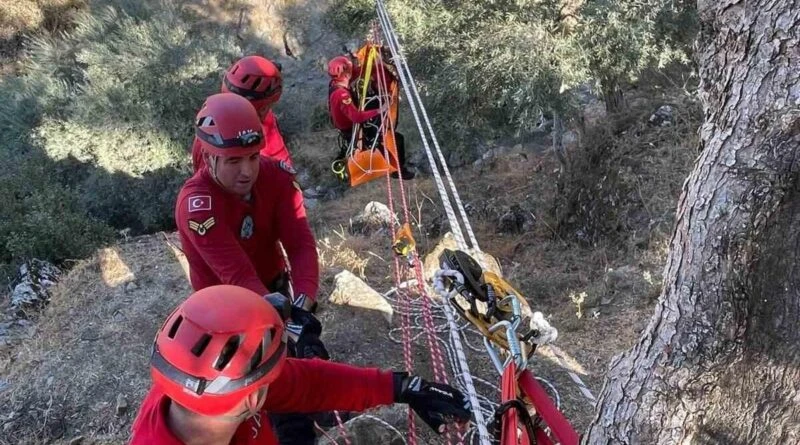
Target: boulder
<point>514,220</point>
<point>663,117</point>
<point>374,218</point>
<point>351,291</point>
<point>430,262</point>
<point>34,281</point>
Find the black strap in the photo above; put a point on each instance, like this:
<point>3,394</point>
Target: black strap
<point>522,411</point>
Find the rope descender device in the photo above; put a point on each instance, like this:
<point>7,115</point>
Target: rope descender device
<point>492,305</point>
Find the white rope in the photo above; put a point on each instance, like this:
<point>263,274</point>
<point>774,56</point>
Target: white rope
<point>389,32</point>
<point>402,69</point>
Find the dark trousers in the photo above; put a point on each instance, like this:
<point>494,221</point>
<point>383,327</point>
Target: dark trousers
<point>291,429</point>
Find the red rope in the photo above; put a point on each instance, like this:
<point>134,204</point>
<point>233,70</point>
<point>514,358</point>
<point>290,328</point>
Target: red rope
<point>440,373</point>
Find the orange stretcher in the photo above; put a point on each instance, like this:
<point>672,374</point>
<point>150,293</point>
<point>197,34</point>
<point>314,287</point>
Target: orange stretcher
<point>367,163</point>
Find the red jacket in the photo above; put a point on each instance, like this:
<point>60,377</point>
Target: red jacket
<point>343,112</point>
<point>275,147</point>
<point>228,240</point>
<point>304,386</point>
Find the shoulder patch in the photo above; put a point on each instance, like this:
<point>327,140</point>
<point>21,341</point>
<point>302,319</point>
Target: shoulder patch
<point>287,168</point>
<point>202,227</point>
<point>297,186</point>
<point>347,101</point>
<point>199,202</point>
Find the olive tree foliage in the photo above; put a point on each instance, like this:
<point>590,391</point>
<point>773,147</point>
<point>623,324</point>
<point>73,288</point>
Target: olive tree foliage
<point>622,38</point>
<point>503,64</point>
<point>96,126</point>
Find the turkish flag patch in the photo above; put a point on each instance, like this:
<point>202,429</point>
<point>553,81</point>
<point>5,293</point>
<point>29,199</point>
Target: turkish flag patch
<point>198,203</point>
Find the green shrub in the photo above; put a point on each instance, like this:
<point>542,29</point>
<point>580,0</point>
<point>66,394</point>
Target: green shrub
<point>98,124</point>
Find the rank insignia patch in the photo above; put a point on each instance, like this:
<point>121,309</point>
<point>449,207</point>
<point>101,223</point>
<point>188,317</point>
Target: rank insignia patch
<point>287,168</point>
<point>203,227</point>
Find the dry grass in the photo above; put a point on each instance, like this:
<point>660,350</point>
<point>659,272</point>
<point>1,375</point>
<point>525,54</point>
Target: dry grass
<point>91,344</point>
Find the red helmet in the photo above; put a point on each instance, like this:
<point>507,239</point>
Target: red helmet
<point>216,348</point>
<point>256,79</point>
<point>228,125</point>
<point>340,66</point>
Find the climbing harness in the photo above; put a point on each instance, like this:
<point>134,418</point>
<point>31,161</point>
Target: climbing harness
<point>371,150</point>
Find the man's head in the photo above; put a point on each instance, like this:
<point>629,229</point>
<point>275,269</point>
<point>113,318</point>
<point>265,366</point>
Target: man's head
<point>257,80</point>
<point>340,69</point>
<point>218,351</point>
<point>231,137</point>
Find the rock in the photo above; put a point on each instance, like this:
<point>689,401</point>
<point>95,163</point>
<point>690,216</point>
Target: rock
<point>3,385</point>
<point>122,405</point>
<point>430,263</point>
<point>366,430</point>
<point>663,117</point>
<point>34,281</point>
<point>513,220</point>
<point>350,290</point>
<point>76,440</point>
<point>375,217</point>
<point>311,203</point>
<point>571,140</point>
<point>9,426</point>
<point>131,286</point>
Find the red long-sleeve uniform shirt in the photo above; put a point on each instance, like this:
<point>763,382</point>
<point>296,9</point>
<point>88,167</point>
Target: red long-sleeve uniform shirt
<point>343,112</point>
<point>228,240</point>
<point>304,386</point>
<point>275,147</point>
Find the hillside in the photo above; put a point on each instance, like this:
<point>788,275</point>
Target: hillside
<point>586,246</point>
<point>91,343</point>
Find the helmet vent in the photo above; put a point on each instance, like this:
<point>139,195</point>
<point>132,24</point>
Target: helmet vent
<point>245,79</point>
<point>256,83</point>
<point>235,69</point>
<point>256,359</point>
<point>205,121</point>
<point>174,328</point>
<point>201,345</point>
<point>227,353</point>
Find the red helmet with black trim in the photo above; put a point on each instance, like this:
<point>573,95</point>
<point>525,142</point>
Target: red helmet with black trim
<point>340,67</point>
<point>256,79</point>
<point>217,347</point>
<point>228,125</point>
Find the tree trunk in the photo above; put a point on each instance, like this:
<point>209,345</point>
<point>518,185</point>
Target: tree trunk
<point>719,361</point>
<point>612,96</point>
<point>558,142</point>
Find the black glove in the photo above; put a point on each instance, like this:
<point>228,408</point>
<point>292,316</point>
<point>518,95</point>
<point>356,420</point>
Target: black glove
<point>280,303</point>
<point>309,346</point>
<point>307,328</point>
<point>436,404</point>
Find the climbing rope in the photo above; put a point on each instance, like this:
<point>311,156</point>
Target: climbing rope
<point>446,188</point>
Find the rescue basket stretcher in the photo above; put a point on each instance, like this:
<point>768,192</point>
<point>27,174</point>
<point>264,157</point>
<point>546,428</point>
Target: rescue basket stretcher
<point>367,160</point>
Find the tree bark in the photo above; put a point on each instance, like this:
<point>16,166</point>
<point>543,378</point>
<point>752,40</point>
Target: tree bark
<point>719,361</point>
<point>613,96</point>
<point>558,142</point>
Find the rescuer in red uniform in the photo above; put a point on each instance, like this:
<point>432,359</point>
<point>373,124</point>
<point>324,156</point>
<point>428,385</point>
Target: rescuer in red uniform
<point>218,365</point>
<point>231,215</point>
<point>259,81</point>
<point>344,113</point>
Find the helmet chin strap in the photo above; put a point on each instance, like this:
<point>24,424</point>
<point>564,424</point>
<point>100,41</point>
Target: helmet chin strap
<point>212,167</point>
<point>251,410</point>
